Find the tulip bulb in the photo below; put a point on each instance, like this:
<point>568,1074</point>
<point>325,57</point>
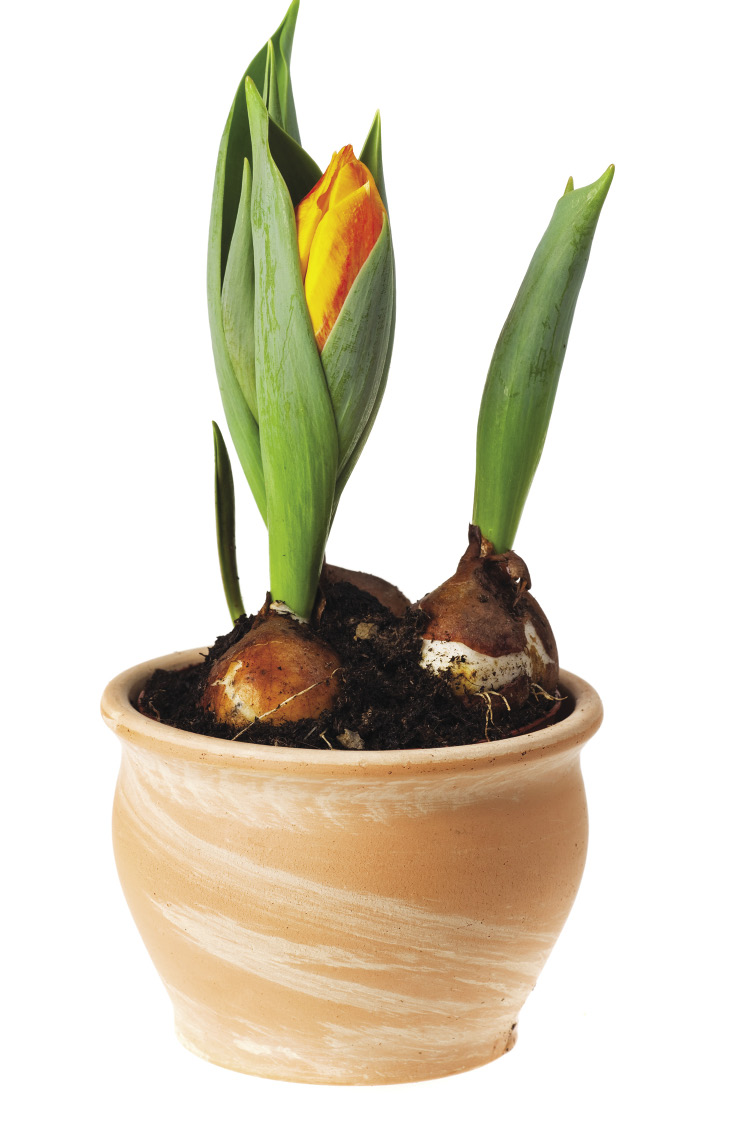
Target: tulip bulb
<point>278,672</point>
<point>486,631</point>
<point>385,592</point>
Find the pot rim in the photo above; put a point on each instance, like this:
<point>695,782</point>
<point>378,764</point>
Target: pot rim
<point>122,717</point>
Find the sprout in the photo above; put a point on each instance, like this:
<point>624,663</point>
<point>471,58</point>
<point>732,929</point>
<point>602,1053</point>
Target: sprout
<point>302,331</point>
<point>522,380</point>
<point>485,629</point>
<point>298,416</point>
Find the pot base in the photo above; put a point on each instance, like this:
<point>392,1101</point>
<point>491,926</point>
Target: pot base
<point>284,1065</point>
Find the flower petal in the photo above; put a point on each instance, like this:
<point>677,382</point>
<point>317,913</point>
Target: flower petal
<point>343,241</point>
<point>315,204</point>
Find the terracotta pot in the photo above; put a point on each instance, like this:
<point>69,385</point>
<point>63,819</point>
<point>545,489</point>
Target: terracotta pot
<point>345,917</point>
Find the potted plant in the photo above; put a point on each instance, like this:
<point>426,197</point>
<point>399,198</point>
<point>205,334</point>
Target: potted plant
<point>351,832</point>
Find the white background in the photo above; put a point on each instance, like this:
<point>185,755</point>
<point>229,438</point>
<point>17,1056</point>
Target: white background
<point>633,531</point>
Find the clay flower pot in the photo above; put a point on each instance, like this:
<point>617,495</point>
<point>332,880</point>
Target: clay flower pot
<point>348,917</point>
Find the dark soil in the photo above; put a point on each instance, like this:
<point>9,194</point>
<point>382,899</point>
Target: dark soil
<point>387,700</point>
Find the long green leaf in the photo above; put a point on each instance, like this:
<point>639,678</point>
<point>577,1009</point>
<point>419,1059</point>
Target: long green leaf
<point>525,368</point>
<point>242,425</point>
<point>298,168</point>
<point>237,299</point>
<point>236,385</point>
<point>348,468</point>
<point>297,427</point>
<point>282,40</point>
<point>225,534</point>
<point>355,352</point>
<point>238,135</point>
<point>372,156</point>
<point>270,87</point>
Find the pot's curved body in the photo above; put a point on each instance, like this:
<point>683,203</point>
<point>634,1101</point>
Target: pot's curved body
<point>345,917</point>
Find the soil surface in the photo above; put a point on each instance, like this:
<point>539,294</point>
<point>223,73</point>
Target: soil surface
<point>387,701</point>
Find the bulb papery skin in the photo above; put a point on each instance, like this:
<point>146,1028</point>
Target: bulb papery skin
<point>283,610</point>
<point>476,672</point>
<point>385,592</point>
<point>486,631</point>
<point>278,672</point>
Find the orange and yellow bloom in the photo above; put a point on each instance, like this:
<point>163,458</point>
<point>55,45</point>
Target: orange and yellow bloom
<point>338,224</point>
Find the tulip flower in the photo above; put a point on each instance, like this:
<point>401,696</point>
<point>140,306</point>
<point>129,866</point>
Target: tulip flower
<point>301,304</point>
<point>338,224</point>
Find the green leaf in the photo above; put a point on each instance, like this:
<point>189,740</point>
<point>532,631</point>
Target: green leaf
<point>348,468</point>
<point>235,149</point>
<point>270,88</point>
<point>298,168</point>
<point>238,133</point>
<point>354,355</point>
<point>282,40</point>
<point>372,156</point>
<point>242,425</point>
<point>297,427</point>
<point>225,536</point>
<point>525,368</point>
<point>237,299</point>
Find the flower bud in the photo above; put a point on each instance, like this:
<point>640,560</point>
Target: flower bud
<point>338,224</point>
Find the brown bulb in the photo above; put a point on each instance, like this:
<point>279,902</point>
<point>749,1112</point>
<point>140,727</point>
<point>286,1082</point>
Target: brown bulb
<point>386,593</point>
<point>279,672</point>
<point>485,629</point>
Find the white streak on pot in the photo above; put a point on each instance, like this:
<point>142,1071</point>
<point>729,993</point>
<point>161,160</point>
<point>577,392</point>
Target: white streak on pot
<point>327,972</point>
<point>278,801</point>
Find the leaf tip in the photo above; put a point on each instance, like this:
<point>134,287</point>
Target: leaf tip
<point>219,443</point>
<point>601,186</point>
<point>256,107</point>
